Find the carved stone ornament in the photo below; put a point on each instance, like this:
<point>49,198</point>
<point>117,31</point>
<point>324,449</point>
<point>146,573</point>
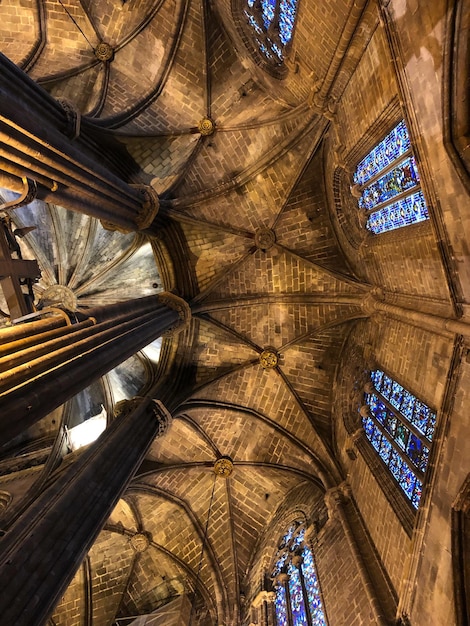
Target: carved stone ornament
<point>60,295</point>
<point>263,596</point>
<point>206,126</point>
<point>73,118</point>
<point>183,309</point>
<point>125,407</point>
<point>150,206</point>
<point>139,542</point>
<point>104,52</point>
<point>223,467</point>
<point>265,238</point>
<point>268,359</point>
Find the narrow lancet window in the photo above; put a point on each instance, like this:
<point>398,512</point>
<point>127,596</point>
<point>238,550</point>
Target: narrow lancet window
<point>400,428</point>
<point>298,599</point>
<point>389,184</point>
<point>273,23</point>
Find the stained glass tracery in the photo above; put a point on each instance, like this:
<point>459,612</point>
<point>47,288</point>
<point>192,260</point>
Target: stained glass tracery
<point>298,600</point>
<point>390,184</point>
<point>400,428</point>
<point>273,24</point>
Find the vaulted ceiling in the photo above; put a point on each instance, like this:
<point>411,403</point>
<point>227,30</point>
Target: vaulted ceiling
<point>246,237</point>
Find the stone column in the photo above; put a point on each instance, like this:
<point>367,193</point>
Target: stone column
<point>334,499</point>
<point>40,140</point>
<point>262,604</point>
<point>42,551</point>
<point>40,372</point>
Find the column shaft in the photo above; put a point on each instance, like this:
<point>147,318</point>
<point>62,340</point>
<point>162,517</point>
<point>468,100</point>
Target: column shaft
<point>42,551</point>
<point>43,376</point>
<point>434,323</point>
<point>34,144</point>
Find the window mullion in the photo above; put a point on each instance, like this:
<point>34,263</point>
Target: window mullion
<point>416,471</point>
<point>386,169</point>
<point>396,198</point>
<point>411,427</point>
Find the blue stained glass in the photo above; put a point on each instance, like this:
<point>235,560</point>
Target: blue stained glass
<point>299,616</point>
<point>298,539</point>
<point>407,405</point>
<point>417,493</point>
<point>401,435</point>
<point>423,463</point>
<point>420,417</point>
<point>386,388</point>
<point>254,23</point>
<point>402,178</point>
<point>414,449</point>
<point>280,604</point>
<point>286,20</point>
<point>395,464</point>
<point>391,423</point>
<point>368,426</point>
<point>396,395</point>
<point>409,210</point>
<point>407,480</point>
<point>288,536</point>
<point>372,400</point>
<point>312,588</point>
<point>431,425</point>
<point>376,376</point>
<point>273,21</point>
<point>268,7</point>
<point>385,450</point>
<point>279,564</point>
<point>395,144</point>
<point>375,439</point>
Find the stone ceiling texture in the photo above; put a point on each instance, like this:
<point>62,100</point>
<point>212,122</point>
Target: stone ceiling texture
<point>249,240</point>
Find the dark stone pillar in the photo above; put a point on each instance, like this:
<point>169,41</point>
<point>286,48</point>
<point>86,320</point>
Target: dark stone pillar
<point>41,372</point>
<point>42,551</point>
<point>42,140</point>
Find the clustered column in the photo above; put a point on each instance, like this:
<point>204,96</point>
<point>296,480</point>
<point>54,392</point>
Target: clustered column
<point>37,143</point>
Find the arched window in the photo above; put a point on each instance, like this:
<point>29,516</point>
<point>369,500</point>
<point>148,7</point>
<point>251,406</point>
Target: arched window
<point>272,22</point>
<point>388,183</point>
<point>400,428</point>
<point>298,600</point>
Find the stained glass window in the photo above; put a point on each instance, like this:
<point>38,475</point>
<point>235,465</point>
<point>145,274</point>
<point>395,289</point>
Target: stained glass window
<point>389,184</point>
<point>298,600</point>
<point>400,428</point>
<point>273,24</point>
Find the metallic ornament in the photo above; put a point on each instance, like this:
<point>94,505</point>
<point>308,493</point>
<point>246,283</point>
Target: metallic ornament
<point>60,295</point>
<point>268,359</point>
<point>223,466</point>
<point>104,52</point>
<point>206,126</point>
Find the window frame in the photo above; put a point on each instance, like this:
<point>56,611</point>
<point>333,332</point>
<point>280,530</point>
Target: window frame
<point>358,189</point>
<point>294,550</point>
<point>276,67</point>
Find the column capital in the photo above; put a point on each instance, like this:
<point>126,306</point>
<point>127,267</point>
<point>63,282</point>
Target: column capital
<point>334,498</point>
<point>163,416</point>
<point>181,307</point>
<point>263,596</point>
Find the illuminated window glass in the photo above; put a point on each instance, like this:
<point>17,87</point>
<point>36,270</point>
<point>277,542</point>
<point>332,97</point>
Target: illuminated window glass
<point>389,183</point>
<point>272,22</point>
<point>400,428</point>
<point>298,600</point>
